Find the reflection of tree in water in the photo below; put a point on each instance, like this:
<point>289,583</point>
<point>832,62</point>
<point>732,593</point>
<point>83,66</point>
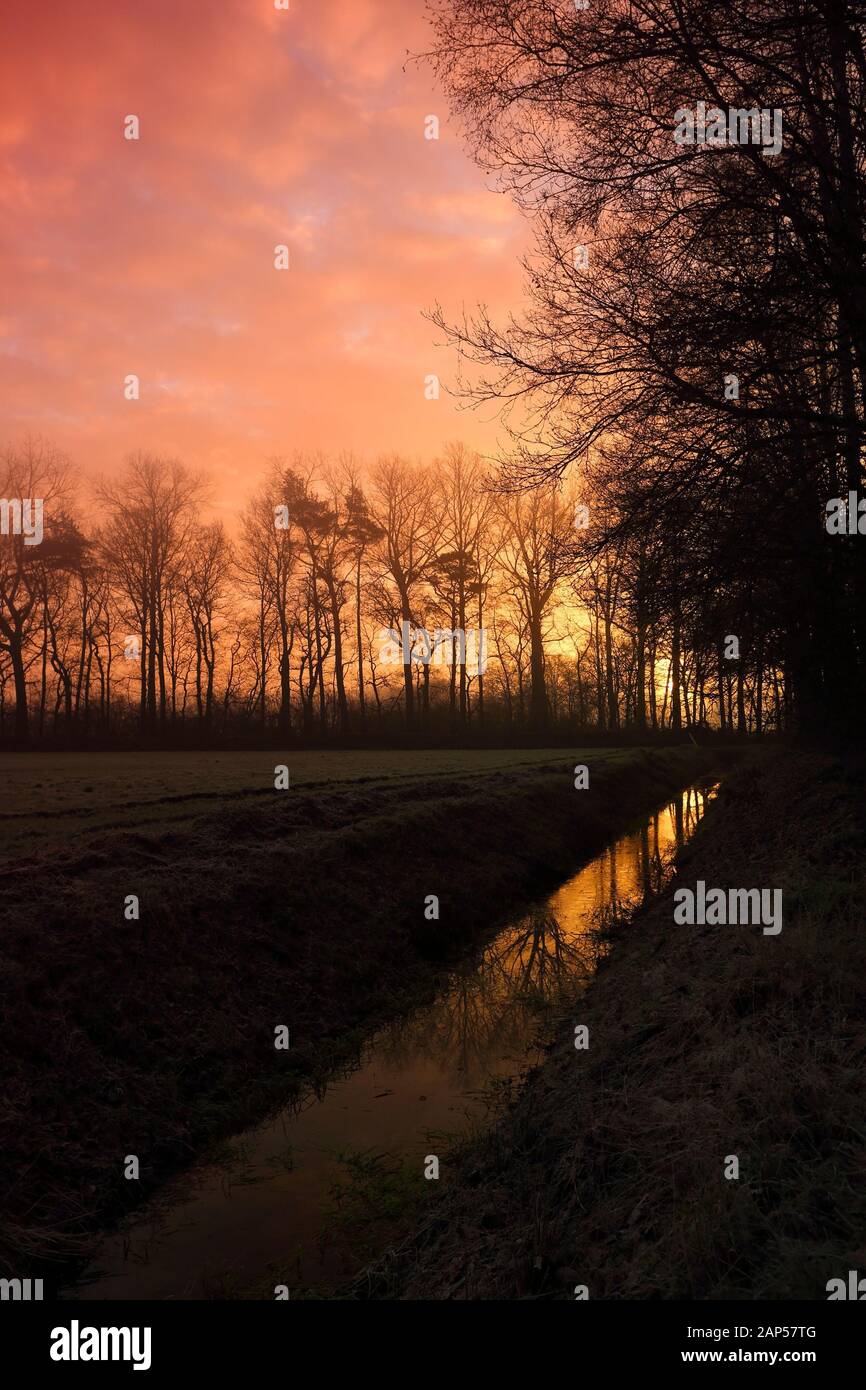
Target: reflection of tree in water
<point>690,807</point>
<point>493,1009</point>
<point>540,963</point>
<point>641,864</point>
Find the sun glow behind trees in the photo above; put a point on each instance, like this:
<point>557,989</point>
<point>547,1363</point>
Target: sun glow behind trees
<point>139,610</point>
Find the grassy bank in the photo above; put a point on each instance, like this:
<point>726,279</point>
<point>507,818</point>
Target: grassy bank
<point>705,1042</point>
<point>305,908</point>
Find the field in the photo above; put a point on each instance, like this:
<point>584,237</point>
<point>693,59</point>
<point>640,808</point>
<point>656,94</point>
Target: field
<point>52,795</point>
<point>154,1035</point>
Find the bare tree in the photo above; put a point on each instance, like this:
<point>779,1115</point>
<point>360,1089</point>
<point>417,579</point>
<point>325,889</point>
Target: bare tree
<point>150,514</point>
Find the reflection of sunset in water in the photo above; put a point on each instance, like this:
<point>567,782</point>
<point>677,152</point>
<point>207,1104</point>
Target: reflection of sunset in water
<point>632,868</point>
<point>490,1021</point>
<point>419,1079</point>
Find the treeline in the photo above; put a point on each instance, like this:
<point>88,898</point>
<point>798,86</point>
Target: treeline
<point>696,342</point>
<point>137,614</point>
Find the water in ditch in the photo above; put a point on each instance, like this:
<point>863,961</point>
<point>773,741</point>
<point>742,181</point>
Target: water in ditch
<point>305,1198</point>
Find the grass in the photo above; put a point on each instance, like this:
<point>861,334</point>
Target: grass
<point>372,1200</point>
<point>155,1037</point>
<point>705,1042</point>
<point>55,796</point>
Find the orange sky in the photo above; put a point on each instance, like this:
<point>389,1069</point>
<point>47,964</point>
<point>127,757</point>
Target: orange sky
<point>258,127</point>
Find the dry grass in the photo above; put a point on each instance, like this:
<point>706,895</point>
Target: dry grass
<point>55,797</point>
<point>705,1041</point>
<point>155,1037</point>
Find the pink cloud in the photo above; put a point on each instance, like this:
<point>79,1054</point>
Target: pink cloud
<point>258,127</point>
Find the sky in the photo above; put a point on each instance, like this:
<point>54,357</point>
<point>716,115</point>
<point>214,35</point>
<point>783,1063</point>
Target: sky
<point>258,127</point>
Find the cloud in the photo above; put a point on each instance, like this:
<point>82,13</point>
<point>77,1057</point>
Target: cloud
<point>156,256</point>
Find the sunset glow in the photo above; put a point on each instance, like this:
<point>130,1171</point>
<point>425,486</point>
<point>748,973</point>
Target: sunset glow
<point>432,672</point>
<point>258,127</point>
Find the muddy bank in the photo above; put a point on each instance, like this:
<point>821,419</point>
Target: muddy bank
<point>154,1037</point>
<point>705,1042</point>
